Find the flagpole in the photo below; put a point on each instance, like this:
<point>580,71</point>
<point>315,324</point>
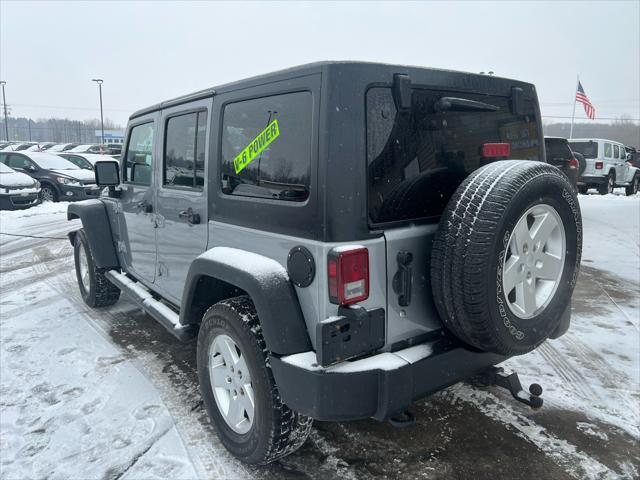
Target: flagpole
<point>573,115</point>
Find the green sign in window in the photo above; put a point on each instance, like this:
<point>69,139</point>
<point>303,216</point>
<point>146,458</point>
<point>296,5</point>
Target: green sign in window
<point>257,146</point>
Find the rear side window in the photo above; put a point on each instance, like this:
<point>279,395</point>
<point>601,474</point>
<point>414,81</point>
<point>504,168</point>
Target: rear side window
<point>184,151</point>
<point>416,159</point>
<point>608,150</point>
<point>266,147</point>
<point>139,156</point>
<point>616,151</point>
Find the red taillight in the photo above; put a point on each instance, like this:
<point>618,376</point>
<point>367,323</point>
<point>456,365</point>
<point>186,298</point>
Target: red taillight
<point>599,165</point>
<point>496,149</point>
<point>348,271</point>
<point>573,163</point>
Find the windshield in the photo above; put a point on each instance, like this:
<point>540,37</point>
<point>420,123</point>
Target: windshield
<point>52,162</point>
<point>587,149</point>
<point>416,159</point>
<point>5,169</point>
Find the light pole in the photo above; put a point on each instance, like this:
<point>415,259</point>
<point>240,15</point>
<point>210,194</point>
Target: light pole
<point>99,81</point>
<point>4,102</point>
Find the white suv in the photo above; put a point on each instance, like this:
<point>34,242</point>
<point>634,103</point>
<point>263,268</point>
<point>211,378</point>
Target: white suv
<point>607,166</point>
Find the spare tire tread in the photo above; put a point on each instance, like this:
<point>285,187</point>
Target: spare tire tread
<point>465,245</point>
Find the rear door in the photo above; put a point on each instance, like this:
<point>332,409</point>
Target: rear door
<point>181,214</point>
<point>137,226</point>
<point>416,160</point>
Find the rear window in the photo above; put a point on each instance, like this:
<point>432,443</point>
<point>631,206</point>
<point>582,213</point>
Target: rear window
<point>587,149</point>
<point>557,148</point>
<point>416,159</point>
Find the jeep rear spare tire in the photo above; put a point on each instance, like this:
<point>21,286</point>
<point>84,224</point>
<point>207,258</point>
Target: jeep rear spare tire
<point>506,256</point>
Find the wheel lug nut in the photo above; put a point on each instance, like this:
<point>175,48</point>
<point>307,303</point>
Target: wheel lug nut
<point>228,379</point>
<point>231,368</point>
<point>241,392</point>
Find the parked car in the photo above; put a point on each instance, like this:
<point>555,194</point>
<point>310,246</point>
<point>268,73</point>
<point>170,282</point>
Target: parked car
<point>114,148</point>
<point>560,156</point>
<point>40,147</point>
<point>338,256</point>
<point>633,156</point>
<point>95,148</point>
<point>17,190</point>
<point>59,178</point>
<point>84,160</point>
<point>62,147</point>
<point>607,166</point>
<point>18,146</point>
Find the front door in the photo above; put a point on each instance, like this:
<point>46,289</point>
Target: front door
<point>136,222</point>
<point>181,214</point>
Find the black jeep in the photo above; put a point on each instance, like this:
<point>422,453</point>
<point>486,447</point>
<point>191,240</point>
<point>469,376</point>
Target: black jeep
<point>342,238</point>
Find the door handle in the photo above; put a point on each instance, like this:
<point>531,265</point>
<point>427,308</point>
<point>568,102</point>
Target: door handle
<point>402,279</point>
<point>192,218</point>
<point>145,207</point>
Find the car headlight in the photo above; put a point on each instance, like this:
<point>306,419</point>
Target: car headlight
<point>68,181</point>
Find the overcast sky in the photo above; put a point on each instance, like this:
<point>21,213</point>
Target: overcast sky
<point>147,52</point>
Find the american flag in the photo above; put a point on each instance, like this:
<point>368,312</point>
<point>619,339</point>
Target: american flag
<point>584,100</point>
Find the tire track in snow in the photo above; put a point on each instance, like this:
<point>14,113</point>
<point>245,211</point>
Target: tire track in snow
<point>566,455</point>
<point>211,458</point>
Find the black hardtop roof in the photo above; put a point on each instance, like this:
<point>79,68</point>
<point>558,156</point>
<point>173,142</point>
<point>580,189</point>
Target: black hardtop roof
<point>288,73</point>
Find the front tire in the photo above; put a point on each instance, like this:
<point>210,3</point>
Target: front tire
<point>96,290</point>
<point>48,193</point>
<point>238,387</point>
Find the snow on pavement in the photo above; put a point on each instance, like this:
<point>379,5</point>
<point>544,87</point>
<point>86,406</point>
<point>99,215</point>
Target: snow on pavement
<point>108,394</point>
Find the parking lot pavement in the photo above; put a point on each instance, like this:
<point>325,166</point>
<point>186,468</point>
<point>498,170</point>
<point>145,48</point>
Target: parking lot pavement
<point>109,394</point>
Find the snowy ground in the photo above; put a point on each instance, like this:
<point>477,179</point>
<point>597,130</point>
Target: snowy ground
<point>109,394</point>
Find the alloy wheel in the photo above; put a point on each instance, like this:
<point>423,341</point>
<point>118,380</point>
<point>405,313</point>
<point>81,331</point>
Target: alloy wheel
<point>231,384</point>
<point>534,261</point>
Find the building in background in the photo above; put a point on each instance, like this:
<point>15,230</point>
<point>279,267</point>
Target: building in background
<point>110,136</point>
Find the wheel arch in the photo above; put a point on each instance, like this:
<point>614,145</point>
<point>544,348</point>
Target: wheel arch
<point>213,277</point>
<point>97,229</point>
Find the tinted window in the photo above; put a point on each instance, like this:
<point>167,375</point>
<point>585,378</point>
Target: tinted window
<point>19,161</point>
<point>78,161</point>
<point>416,159</point>
<point>616,151</point>
<point>607,150</point>
<point>587,149</point>
<point>185,150</point>
<point>266,147</point>
<point>557,149</point>
<point>139,157</point>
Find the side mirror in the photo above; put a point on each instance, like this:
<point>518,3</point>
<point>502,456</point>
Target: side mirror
<point>31,168</point>
<point>107,173</point>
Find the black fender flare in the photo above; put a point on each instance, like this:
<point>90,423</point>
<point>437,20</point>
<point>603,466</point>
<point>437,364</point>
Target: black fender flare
<point>266,282</point>
<point>97,228</point>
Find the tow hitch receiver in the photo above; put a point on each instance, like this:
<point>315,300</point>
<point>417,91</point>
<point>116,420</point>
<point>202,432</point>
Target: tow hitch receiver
<point>496,376</point>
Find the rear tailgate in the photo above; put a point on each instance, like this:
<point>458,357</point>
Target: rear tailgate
<point>416,160</point>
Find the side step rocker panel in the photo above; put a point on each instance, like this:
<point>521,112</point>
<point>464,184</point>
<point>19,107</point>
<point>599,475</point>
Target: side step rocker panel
<point>158,310</point>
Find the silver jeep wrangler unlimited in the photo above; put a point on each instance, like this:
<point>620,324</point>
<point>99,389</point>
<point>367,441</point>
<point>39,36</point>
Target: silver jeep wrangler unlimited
<point>342,239</point>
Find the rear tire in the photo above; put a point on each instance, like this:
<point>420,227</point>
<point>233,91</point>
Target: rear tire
<point>96,290</point>
<point>633,188</point>
<point>608,186</point>
<point>272,430</point>
<point>489,295</point>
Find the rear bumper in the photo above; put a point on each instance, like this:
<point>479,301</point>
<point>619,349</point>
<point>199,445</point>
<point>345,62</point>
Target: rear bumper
<point>379,386</point>
<point>592,180</point>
